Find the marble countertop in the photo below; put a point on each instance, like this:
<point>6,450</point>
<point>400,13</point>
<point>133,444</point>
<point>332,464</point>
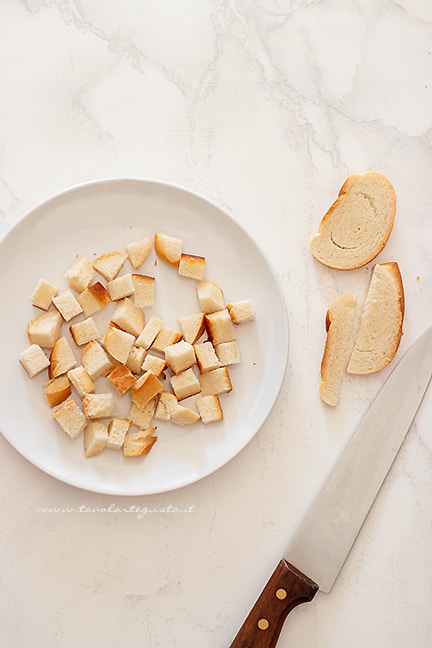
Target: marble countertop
<point>264,107</point>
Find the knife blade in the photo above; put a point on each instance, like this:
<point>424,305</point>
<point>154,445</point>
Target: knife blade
<point>319,548</point>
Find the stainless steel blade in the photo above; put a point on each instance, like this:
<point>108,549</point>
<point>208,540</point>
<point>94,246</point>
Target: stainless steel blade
<point>324,539</point>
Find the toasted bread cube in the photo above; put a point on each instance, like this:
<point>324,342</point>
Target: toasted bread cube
<point>144,290</point>
<point>70,418</point>
<point>118,343</point>
<point>184,416</point>
<point>117,430</point>
<point>121,378</point>
<point>85,331</point>
<point>135,359</point>
<point>185,384</point>
<point>95,438</point>
<point>209,409</point>
<point>44,330</point>
<point>93,299</point>
<point>57,390</point>
<point>241,311</point>
<point>120,287</point>
<point>98,405</point>
<point>128,316</point>
<point>168,248</point>
<point>149,332</point>
<point>109,265</point>
<point>145,388</point>
<point>62,358</point>
<point>192,266</point>
<point>43,293</point>
<point>95,360</point>
<point>228,353</point>
<point>138,251</point>
<point>80,274</point>
<point>67,305</point>
<point>164,338</point>
<point>220,327</point>
<point>217,381</point>
<point>206,357</point>
<point>154,364</point>
<point>81,380</point>
<point>192,327</point>
<point>166,406</point>
<point>180,356</point>
<point>137,444</point>
<point>210,296</point>
<point>34,360</point>
<point>142,416</point>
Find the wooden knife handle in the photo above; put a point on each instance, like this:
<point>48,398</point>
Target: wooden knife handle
<point>286,588</point>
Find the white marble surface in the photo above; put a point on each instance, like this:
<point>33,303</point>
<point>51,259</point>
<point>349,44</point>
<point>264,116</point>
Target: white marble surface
<point>264,107</point>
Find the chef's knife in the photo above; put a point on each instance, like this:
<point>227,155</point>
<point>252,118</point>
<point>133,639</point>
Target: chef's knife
<point>319,548</point>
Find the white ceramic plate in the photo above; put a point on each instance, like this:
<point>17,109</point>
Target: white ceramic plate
<point>102,216</point>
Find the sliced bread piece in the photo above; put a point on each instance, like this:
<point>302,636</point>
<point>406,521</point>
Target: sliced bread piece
<point>138,251</point>
<point>357,226</point>
<point>80,274</point>
<point>109,265</point>
<point>34,360</point>
<point>44,330</point>
<point>340,320</point>
<point>168,248</point>
<point>70,418</point>
<point>381,320</point>
<point>95,438</point>
<point>43,293</point>
<point>137,444</point>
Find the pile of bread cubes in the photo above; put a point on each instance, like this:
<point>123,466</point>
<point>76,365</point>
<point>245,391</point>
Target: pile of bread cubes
<point>152,365</point>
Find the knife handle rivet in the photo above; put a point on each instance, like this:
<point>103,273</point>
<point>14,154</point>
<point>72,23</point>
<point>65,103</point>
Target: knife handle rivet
<point>281,594</point>
<point>263,624</point>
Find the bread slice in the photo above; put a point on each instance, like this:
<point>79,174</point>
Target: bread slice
<point>70,418</point>
<point>43,293</point>
<point>149,332</point>
<point>81,380</point>
<point>128,316</point>
<point>340,321</point>
<point>57,390</point>
<point>85,331</point>
<point>80,274</point>
<point>180,356</point>
<point>381,321</point>
<point>168,248</point>
<point>95,360</point>
<point>192,326</point>
<point>135,359</point>
<point>93,298</point>
<point>192,266</point>
<point>357,226</point>
<point>62,358</point>
<point>145,389</point>
<point>138,251</point>
<point>121,379</point>
<point>220,327</point>
<point>34,360</point>
<point>206,357</point>
<point>164,338</point>
<point>118,344</point>
<point>209,408</point>
<point>185,384</point>
<point>166,406</point>
<point>137,444</point>
<point>120,287</point>
<point>44,330</point>
<point>241,311</point>
<point>109,265</point>
<point>117,430</point>
<point>228,353</point>
<point>144,290</point>
<point>67,305</point>
<point>184,416</point>
<point>142,416</point>
<point>214,382</point>
<point>95,438</point>
<point>98,405</point>
<point>210,296</point>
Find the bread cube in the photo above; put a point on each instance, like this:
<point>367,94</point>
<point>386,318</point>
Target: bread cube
<point>210,296</point>
<point>168,248</point>
<point>154,364</point>
<point>166,406</point>
<point>185,384</point>
<point>217,381</point>
<point>228,353</point>
<point>137,444</point>
<point>118,343</point>
<point>85,331</point>
<point>70,418</point>
<point>44,330</point>
<point>128,316</point>
<point>206,356</point>
<point>220,327</point>
<point>95,360</point>
<point>164,338</point>
<point>144,290</point>
<point>117,430</point>
<point>57,390</point>
<point>135,359</point>
<point>241,311</point>
<point>142,416</point>
<point>184,416</point>
<point>93,299</point>
<point>121,378</point>
<point>180,356</point>
<point>192,327</point>
<point>149,332</point>
<point>138,251</point>
<point>34,360</point>
<point>95,438</point>
<point>109,265</point>
<point>43,293</point>
<point>98,405</point>
<point>67,305</point>
<point>81,380</point>
<point>145,388</point>
<point>80,274</point>
<point>209,408</point>
<point>120,287</point>
<point>191,266</point>
<point>62,358</point>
